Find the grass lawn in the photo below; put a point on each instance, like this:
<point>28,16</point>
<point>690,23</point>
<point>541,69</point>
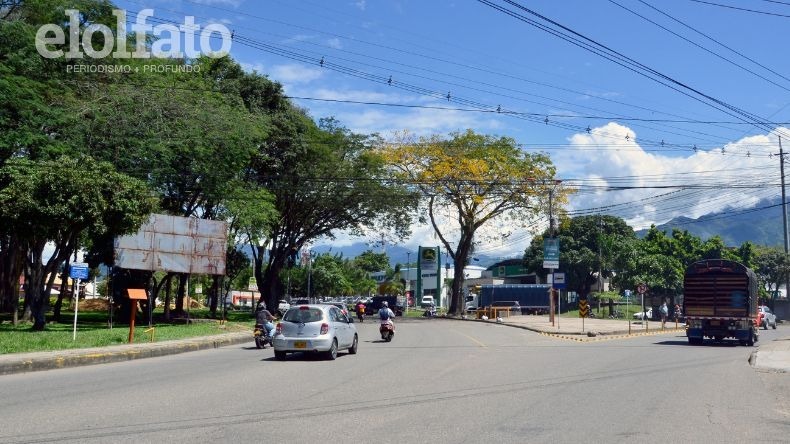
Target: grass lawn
<point>93,331</point>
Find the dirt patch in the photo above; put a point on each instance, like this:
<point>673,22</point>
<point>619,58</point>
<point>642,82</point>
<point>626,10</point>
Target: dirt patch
<point>95,305</point>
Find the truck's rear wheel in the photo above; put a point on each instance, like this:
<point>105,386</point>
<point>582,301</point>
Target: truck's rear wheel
<point>750,341</point>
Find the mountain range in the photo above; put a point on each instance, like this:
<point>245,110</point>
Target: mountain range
<point>760,225</point>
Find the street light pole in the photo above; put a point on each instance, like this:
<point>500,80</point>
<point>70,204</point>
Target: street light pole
<point>309,274</point>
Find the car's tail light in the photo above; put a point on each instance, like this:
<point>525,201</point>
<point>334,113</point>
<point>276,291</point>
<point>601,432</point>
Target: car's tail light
<point>279,329</point>
<point>324,328</point>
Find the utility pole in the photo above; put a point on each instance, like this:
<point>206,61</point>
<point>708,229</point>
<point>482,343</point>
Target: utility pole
<point>784,209</point>
<point>600,266</point>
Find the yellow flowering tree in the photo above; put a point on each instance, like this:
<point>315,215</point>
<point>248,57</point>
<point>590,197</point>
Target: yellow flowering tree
<point>474,184</point>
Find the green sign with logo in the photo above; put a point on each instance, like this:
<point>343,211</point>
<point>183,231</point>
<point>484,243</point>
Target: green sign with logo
<point>551,253</point>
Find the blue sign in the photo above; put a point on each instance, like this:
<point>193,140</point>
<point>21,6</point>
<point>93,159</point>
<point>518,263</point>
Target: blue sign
<point>558,281</point>
<point>79,270</point>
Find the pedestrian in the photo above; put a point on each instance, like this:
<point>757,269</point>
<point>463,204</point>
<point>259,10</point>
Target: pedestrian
<point>664,313</point>
<point>677,313</point>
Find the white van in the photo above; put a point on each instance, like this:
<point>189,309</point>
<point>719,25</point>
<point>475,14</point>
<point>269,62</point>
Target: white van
<point>427,301</point>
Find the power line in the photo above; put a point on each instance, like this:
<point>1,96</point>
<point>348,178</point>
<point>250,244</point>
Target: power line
<point>591,45</point>
<point>714,40</point>
<point>700,46</point>
<point>741,9</point>
<point>465,85</point>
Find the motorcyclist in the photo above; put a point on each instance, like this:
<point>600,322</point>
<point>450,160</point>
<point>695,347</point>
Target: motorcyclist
<point>360,311</point>
<point>386,315</point>
<point>265,318</point>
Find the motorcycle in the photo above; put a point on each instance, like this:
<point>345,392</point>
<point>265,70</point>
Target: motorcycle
<point>262,336</point>
<point>387,330</point>
<point>361,313</point>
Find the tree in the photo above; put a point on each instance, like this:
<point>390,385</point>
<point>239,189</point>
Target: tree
<point>587,244</point>
<point>324,179</point>
<point>772,266</point>
<point>61,202</point>
<point>474,181</point>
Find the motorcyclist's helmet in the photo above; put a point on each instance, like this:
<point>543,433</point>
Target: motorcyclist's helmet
<point>261,306</point>
<point>385,304</point>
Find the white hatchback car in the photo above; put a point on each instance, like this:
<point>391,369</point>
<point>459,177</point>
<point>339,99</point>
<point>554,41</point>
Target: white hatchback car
<point>641,314</point>
<point>767,318</point>
<point>315,328</point>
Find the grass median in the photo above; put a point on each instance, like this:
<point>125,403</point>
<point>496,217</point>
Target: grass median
<point>93,330</point>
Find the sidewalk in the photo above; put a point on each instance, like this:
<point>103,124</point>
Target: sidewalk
<point>589,327</point>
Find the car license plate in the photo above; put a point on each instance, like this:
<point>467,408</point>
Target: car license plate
<point>300,344</point>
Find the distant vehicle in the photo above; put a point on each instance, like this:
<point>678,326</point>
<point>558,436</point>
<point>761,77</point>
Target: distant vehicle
<point>427,301</point>
<point>374,305</point>
<point>767,318</point>
<point>283,306</point>
<point>319,328</point>
<point>301,302</point>
<point>720,301</point>
<point>510,305</point>
<point>641,314</point>
<point>340,305</point>
<point>531,298</point>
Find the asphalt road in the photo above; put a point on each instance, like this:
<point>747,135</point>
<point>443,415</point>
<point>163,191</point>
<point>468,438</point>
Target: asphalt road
<point>438,381</point>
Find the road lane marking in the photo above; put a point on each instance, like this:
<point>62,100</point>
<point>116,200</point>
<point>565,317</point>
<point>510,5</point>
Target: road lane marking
<point>471,339</point>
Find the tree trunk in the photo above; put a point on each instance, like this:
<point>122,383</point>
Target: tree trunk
<point>181,293</point>
<point>270,286</point>
<point>64,282</point>
<point>214,296</point>
<point>168,286</point>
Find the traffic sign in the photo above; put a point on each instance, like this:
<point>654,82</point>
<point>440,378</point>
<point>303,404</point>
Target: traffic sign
<point>641,289</point>
<point>558,281</point>
<point>79,270</point>
<point>551,253</point>
<point>584,309</point>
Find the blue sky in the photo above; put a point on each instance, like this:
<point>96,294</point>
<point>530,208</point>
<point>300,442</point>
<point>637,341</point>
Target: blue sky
<point>633,147</point>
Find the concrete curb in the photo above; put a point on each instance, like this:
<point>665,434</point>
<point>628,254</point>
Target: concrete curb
<point>774,361</point>
<point>37,361</point>
<point>573,335</point>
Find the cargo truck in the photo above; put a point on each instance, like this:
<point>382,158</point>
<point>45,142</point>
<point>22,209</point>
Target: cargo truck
<point>720,301</point>
<point>533,298</point>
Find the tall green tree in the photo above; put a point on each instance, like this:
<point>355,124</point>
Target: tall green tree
<point>325,179</point>
<point>60,202</point>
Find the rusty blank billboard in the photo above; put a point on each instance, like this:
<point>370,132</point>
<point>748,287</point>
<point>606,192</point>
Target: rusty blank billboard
<point>175,244</point>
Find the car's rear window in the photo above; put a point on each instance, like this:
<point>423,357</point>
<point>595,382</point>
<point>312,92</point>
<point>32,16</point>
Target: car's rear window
<point>303,315</point>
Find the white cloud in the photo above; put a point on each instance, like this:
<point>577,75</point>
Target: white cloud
<point>234,3</point>
<point>361,4</point>
<point>712,177</point>
<point>334,43</point>
<point>253,67</point>
<point>294,73</point>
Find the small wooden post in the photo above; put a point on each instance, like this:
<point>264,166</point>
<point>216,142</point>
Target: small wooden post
<point>135,294</point>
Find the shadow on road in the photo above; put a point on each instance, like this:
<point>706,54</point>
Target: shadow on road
<point>707,343</point>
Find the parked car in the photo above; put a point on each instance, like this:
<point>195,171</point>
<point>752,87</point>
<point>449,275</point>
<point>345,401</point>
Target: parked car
<point>641,315</point>
<point>317,328</point>
<point>283,306</point>
<point>427,301</point>
<point>767,317</point>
